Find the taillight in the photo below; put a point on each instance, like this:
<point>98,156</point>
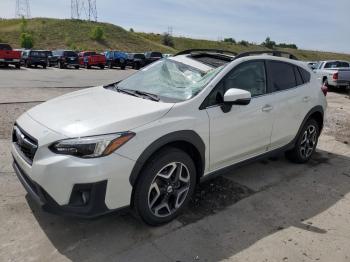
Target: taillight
<point>335,76</point>
<point>324,89</point>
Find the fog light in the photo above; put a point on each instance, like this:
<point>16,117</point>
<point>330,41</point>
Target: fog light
<point>85,196</point>
<point>80,197</point>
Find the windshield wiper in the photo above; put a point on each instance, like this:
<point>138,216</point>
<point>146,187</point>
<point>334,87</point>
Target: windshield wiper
<point>137,93</point>
<point>149,95</point>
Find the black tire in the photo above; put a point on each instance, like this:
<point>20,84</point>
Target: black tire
<point>303,149</point>
<point>60,65</point>
<point>77,67</point>
<point>18,66</point>
<point>110,65</point>
<point>87,66</point>
<point>122,67</point>
<point>27,65</point>
<point>102,67</point>
<point>171,190</point>
<point>137,66</point>
<point>44,66</point>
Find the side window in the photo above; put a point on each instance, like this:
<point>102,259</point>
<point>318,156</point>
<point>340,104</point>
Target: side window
<point>249,76</point>
<point>305,75</point>
<point>281,76</point>
<point>298,77</point>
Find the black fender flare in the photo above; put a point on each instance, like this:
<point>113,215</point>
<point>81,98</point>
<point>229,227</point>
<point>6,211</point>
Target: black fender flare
<point>316,109</point>
<point>188,136</point>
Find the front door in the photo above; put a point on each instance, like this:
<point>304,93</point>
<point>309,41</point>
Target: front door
<point>245,130</point>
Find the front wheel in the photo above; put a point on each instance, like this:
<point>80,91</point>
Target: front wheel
<point>306,143</point>
<point>165,186</point>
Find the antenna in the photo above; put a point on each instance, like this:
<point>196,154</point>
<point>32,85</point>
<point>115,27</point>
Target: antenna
<point>22,9</point>
<point>84,9</point>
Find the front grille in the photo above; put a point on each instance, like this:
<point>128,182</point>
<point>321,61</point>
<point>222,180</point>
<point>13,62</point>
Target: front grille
<point>25,144</point>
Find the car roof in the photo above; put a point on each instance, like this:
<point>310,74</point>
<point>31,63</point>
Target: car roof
<point>206,59</point>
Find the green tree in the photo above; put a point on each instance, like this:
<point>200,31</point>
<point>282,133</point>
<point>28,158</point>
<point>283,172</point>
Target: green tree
<point>269,43</point>
<point>230,40</point>
<point>26,40</point>
<point>131,30</point>
<point>97,33</point>
<point>23,25</point>
<point>168,40</point>
<point>243,43</point>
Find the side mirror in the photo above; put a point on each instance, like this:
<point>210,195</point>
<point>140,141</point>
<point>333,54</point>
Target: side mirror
<point>235,96</point>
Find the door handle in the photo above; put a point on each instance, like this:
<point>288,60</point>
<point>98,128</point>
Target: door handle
<point>306,99</point>
<point>267,108</point>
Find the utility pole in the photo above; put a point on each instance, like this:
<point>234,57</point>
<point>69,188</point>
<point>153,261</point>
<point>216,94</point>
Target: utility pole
<point>22,9</point>
<point>81,7</point>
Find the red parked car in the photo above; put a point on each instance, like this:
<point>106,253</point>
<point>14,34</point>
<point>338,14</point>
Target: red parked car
<point>9,56</point>
<point>89,59</point>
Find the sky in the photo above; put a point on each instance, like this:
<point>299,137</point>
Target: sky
<point>310,24</point>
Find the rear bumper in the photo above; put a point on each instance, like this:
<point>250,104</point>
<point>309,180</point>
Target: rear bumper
<point>9,61</point>
<point>342,83</point>
<point>94,207</point>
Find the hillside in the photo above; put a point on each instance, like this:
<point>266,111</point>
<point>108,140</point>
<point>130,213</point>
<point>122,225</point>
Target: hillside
<point>66,33</point>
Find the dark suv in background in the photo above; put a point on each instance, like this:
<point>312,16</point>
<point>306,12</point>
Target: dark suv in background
<point>136,61</point>
<point>152,57</point>
<point>34,58</point>
<point>64,59</point>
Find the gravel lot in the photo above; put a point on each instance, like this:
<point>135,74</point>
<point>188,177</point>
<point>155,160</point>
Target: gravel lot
<point>271,210</point>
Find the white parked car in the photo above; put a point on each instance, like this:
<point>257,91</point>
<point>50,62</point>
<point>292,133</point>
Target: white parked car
<point>333,73</point>
<point>148,140</point>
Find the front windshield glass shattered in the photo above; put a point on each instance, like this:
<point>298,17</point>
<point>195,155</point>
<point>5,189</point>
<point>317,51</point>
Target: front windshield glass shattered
<point>170,79</point>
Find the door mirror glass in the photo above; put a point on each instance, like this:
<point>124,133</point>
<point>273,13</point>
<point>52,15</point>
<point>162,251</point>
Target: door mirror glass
<point>235,96</point>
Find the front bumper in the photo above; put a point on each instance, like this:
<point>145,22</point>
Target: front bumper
<point>94,207</point>
<point>56,178</point>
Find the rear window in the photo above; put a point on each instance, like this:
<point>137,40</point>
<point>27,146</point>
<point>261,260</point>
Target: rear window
<point>156,54</point>
<point>89,53</point>
<point>336,64</point>
<point>5,47</point>
<point>38,53</point>
<point>70,53</point>
<point>139,56</point>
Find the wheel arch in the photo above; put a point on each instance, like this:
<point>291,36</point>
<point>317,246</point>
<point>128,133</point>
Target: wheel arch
<point>186,140</point>
<point>316,113</point>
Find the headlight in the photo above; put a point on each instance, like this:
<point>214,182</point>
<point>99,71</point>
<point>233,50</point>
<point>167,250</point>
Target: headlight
<point>92,146</point>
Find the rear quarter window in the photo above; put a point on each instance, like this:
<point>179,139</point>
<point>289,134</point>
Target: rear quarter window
<point>305,75</point>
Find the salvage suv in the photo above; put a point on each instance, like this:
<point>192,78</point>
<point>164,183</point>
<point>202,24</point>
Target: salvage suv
<point>147,141</point>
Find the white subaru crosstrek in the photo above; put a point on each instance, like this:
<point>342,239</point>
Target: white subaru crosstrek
<point>148,140</point>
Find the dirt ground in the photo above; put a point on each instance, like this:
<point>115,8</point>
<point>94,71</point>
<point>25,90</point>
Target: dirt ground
<point>271,210</point>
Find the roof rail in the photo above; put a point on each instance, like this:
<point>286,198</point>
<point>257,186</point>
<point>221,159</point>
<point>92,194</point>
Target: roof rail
<point>189,51</point>
<point>269,52</point>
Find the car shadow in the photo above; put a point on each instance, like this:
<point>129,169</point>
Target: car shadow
<point>288,196</point>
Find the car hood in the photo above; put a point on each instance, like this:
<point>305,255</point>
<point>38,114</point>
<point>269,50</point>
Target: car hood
<point>96,111</point>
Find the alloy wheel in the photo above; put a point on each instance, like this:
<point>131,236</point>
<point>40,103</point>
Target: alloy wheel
<point>169,189</point>
<point>308,141</point>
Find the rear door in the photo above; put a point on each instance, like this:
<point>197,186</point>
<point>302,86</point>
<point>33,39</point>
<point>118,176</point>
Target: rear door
<point>245,130</point>
<point>292,99</point>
